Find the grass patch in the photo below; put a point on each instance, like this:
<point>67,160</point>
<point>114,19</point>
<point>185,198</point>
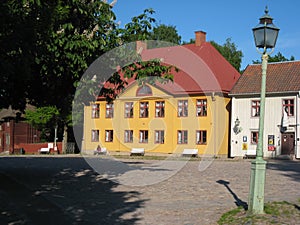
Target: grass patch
<point>275,213</point>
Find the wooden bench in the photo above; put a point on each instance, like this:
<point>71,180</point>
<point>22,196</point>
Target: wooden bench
<point>101,151</point>
<point>190,152</point>
<point>137,151</point>
<point>250,154</point>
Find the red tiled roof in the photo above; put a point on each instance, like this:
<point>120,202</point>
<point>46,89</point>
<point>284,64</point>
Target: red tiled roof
<point>202,69</point>
<point>281,77</point>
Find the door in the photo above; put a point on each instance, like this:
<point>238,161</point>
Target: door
<point>288,143</point>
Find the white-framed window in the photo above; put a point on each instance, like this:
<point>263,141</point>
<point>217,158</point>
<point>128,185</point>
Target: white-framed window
<point>159,109</point>
<point>95,135</point>
<point>288,107</point>
<point>144,109</point>
<point>95,111</point>
<point>182,108</point>
<point>159,136</point>
<point>182,136</point>
<point>254,137</point>
<point>143,136</point>
<point>255,108</point>
<point>201,137</point>
<point>128,136</point>
<point>109,135</point>
<point>201,107</point>
<point>128,110</point>
<point>109,113</point>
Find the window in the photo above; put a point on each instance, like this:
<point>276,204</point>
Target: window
<point>144,91</point>
<point>95,111</point>
<point>128,109</point>
<point>182,108</point>
<point>109,110</point>
<point>144,109</point>
<point>201,137</point>
<point>255,108</point>
<point>7,139</point>
<point>182,137</point>
<point>254,137</point>
<point>128,136</point>
<point>201,107</point>
<point>159,136</point>
<point>95,135</point>
<point>288,106</point>
<point>109,135</point>
<point>160,109</point>
<point>143,136</point>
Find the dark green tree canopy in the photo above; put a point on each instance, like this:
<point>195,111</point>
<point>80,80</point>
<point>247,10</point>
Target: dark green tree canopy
<point>276,58</point>
<point>166,33</point>
<point>230,52</point>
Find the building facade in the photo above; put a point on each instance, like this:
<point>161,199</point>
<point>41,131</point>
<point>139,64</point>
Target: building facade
<point>281,126</point>
<point>190,113</point>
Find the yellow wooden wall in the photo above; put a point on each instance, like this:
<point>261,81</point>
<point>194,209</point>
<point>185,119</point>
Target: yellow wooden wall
<point>216,123</point>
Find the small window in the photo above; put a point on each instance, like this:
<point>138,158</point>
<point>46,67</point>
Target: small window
<point>144,109</point>
<point>95,111</point>
<point>255,108</point>
<point>182,108</point>
<point>109,135</point>
<point>128,136</point>
<point>288,107</point>
<point>159,136</point>
<point>109,110</point>
<point>143,136</point>
<point>254,137</point>
<point>201,107</point>
<point>160,109</point>
<point>95,135</point>
<point>182,137</point>
<point>201,136</point>
<point>128,109</point>
<point>144,90</point>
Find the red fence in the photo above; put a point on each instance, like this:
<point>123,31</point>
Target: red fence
<point>34,148</point>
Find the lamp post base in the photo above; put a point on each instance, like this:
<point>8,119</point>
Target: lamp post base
<point>257,186</point>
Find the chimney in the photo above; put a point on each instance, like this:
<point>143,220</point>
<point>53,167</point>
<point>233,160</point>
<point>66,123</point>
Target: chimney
<point>140,46</point>
<point>200,37</point>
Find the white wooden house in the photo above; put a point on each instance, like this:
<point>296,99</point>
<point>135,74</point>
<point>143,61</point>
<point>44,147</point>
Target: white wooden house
<point>282,111</point>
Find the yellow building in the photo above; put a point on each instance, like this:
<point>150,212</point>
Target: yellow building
<point>191,113</point>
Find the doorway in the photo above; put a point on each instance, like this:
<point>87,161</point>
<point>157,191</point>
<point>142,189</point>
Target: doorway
<point>288,143</point>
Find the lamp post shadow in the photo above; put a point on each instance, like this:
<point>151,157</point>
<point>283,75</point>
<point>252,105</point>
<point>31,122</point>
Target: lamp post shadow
<point>238,201</point>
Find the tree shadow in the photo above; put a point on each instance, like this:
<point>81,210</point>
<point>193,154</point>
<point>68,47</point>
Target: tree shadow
<point>290,168</point>
<point>238,201</point>
<point>62,191</point>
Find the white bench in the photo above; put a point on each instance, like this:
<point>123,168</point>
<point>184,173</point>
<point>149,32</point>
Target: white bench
<point>101,151</point>
<point>190,152</point>
<point>44,150</point>
<point>250,154</point>
<point>137,151</point>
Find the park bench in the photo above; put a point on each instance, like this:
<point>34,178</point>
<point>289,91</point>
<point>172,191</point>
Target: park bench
<point>190,152</point>
<point>46,150</point>
<point>250,154</point>
<point>137,151</point>
<point>100,151</point>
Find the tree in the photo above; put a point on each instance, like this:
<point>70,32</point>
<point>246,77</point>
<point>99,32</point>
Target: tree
<point>276,58</point>
<point>230,53</point>
<point>166,33</point>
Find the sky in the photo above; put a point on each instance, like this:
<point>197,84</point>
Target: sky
<point>222,19</point>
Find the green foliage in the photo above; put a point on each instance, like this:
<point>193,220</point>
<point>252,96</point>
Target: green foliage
<point>165,33</point>
<point>230,52</point>
<point>42,117</point>
<point>276,58</point>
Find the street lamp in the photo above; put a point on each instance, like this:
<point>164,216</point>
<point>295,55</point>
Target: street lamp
<point>265,36</point>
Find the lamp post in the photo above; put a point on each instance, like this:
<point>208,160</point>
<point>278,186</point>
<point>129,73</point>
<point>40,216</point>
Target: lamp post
<point>265,36</point>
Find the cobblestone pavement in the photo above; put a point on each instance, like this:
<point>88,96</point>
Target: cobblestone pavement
<point>34,189</point>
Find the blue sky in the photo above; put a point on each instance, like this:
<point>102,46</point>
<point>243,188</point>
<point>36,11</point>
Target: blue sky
<point>223,19</point>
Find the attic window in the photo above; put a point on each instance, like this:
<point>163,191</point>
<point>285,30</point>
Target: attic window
<point>144,91</point>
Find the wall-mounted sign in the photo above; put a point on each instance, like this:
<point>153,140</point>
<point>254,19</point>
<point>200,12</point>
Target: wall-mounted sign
<point>271,141</point>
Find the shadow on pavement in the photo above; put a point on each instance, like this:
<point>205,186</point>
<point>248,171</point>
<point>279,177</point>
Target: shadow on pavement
<point>292,168</point>
<point>62,191</point>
